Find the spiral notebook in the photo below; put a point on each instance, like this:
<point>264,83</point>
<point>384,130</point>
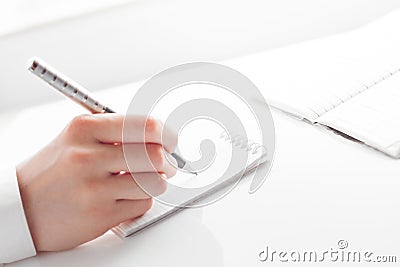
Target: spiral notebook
<point>159,211</point>
<point>348,83</point>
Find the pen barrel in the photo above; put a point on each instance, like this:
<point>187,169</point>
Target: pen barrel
<point>71,90</point>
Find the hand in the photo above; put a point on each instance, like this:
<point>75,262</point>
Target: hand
<point>79,185</point>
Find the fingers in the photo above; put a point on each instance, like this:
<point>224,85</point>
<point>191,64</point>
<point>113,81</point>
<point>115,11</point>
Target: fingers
<point>150,130</point>
<point>111,128</point>
<point>141,186</point>
<point>134,158</point>
<point>97,149</point>
<point>148,158</point>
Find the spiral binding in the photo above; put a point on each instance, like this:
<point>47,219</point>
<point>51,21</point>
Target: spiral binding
<point>243,143</point>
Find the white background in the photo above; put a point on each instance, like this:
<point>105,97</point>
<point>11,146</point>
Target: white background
<point>114,45</point>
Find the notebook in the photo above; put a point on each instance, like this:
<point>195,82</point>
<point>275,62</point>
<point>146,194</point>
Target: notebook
<point>348,83</point>
<point>227,181</point>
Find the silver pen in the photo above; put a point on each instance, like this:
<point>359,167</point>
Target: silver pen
<point>80,95</point>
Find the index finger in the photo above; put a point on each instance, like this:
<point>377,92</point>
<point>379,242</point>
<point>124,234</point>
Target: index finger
<point>115,128</point>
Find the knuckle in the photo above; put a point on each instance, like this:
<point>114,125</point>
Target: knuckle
<point>80,124</point>
<point>156,155</point>
<point>153,128</point>
<point>80,156</point>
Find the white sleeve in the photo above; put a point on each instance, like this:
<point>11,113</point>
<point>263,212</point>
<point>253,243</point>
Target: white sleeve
<point>15,239</point>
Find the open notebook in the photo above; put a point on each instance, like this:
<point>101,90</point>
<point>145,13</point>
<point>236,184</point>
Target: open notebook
<point>349,83</point>
<point>226,181</point>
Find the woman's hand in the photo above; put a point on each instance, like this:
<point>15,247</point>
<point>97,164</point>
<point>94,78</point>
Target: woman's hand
<point>79,185</point>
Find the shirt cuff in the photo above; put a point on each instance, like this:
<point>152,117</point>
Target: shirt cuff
<point>15,238</point>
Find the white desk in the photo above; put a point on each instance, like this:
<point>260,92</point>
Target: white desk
<point>322,188</point>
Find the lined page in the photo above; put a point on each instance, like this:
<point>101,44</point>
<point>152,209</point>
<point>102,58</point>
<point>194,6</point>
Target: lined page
<point>372,117</point>
<point>300,82</point>
<point>312,78</point>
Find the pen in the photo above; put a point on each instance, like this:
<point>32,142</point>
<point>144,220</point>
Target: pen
<point>80,95</point>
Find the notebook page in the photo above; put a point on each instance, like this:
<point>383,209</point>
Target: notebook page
<point>160,210</point>
<point>311,78</point>
<point>306,87</point>
<point>233,155</point>
<point>372,117</point>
